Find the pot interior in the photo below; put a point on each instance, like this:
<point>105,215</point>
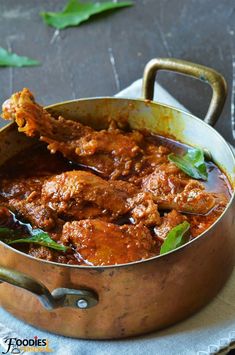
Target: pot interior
<point>139,114</point>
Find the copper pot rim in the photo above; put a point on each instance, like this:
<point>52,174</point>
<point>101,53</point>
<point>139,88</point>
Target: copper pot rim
<point>149,260</point>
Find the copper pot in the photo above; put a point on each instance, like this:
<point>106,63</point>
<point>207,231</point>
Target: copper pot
<point>139,297</point>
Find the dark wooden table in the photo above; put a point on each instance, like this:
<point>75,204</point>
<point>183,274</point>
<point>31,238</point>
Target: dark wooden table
<point>103,56</point>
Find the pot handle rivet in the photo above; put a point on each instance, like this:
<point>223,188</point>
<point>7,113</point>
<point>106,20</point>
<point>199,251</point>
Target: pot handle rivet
<point>83,304</point>
<point>205,74</point>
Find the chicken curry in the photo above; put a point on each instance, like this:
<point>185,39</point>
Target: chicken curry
<point>86,197</point>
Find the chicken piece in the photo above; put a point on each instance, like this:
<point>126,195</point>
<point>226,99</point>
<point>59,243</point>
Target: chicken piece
<point>42,252</point>
<point>169,221</point>
<point>153,157</point>
<point>70,192</point>
<point>101,243</point>
<point>141,206</point>
<point>34,121</point>
<point>20,188</point>
<point>109,151</point>
<point>62,191</point>
<point>144,209</point>
<point>28,190</point>
<point>76,195</point>
<point>45,253</point>
<point>193,199</point>
<point>172,189</point>
<point>201,223</point>
<point>35,212</point>
<point>23,197</point>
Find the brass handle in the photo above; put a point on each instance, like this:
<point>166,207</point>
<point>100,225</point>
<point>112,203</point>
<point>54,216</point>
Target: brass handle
<point>60,297</point>
<point>208,75</point>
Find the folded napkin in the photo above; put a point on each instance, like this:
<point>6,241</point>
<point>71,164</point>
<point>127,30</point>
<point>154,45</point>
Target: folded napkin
<point>210,331</point>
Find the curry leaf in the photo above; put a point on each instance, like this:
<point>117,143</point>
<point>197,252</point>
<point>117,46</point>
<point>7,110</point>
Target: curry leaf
<point>192,163</point>
<point>8,59</point>
<point>37,237</point>
<point>76,12</point>
<point>175,238</point>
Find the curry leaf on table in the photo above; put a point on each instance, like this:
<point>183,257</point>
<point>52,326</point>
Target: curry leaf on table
<point>192,163</point>
<point>8,59</point>
<point>76,12</point>
<point>175,238</point>
<point>37,237</point>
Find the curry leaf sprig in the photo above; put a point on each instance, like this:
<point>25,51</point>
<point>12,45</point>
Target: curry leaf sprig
<point>192,163</point>
<point>76,12</point>
<point>175,238</point>
<point>37,236</point>
<point>8,59</point>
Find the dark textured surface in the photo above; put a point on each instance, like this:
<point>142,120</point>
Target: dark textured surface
<point>77,61</point>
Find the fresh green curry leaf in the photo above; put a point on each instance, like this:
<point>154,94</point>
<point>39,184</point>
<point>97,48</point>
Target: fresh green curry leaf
<point>192,163</point>
<point>37,237</point>
<point>76,12</point>
<point>175,238</point>
<point>8,59</point>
